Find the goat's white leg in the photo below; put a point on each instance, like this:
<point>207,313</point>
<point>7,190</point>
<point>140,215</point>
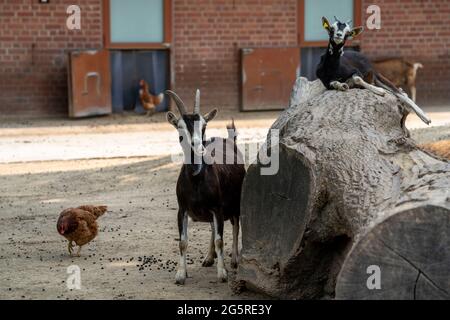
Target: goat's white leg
<point>235,252</point>
<point>420,113</point>
<point>339,86</point>
<point>413,93</point>
<point>218,241</point>
<point>357,80</point>
<point>209,260</point>
<point>181,275</point>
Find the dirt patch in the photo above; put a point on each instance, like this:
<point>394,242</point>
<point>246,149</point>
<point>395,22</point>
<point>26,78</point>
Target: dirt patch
<point>136,252</point>
<point>431,134</point>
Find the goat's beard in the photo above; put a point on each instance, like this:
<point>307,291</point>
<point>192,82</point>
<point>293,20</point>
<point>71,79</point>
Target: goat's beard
<point>194,161</point>
<point>197,169</point>
<point>199,150</point>
<point>197,164</point>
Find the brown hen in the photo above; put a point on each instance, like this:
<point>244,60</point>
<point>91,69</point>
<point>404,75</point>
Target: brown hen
<point>149,101</point>
<point>79,225</point>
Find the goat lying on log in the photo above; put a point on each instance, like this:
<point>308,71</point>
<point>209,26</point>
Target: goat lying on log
<point>207,190</point>
<point>341,71</point>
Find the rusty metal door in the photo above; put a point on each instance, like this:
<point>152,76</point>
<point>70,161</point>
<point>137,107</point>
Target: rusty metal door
<point>89,83</point>
<point>268,75</point>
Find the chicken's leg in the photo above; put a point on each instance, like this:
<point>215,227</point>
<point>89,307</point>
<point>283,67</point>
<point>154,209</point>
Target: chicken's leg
<point>78,252</point>
<point>70,248</point>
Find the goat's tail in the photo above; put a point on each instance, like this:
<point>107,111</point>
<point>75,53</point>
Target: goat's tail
<point>232,132</point>
<point>414,65</point>
<point>385,83</point>
<point>417,66</point>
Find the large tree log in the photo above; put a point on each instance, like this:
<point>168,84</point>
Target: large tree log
<point>352,191</point>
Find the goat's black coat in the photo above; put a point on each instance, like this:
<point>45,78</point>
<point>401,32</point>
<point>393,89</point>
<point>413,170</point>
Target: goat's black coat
<point>217,188</point>
<point>353,69</point>
<point>335,65</point>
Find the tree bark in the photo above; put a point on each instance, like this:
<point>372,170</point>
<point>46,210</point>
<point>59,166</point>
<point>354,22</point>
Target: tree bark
<point>353,191</point>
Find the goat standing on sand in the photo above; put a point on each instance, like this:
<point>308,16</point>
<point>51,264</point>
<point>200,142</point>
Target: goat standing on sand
<point>341,71</point>
<point>207,191</point>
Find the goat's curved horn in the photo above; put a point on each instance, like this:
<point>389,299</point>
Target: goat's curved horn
<point>178,101</point>
<point>337,20</point>
<point>349,21</point>
<point>197,102</point>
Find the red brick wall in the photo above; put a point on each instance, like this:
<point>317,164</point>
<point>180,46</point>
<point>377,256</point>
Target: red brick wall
<point>208,34</point>
<point>418,30</point>
<point>34,41</point>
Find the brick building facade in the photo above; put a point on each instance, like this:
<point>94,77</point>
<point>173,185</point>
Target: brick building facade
<point>417,30</point>
<point>34,42</point>
<point>207,35</point>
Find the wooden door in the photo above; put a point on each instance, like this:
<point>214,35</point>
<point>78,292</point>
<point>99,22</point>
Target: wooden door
<point>268,75</point>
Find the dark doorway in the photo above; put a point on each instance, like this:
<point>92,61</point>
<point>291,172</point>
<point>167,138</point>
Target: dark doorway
<point>128,67</point>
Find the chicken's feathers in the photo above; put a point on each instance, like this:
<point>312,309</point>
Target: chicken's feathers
<point>97,211</point>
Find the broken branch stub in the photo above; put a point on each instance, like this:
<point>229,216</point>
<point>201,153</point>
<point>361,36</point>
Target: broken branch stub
<point>354,195</point>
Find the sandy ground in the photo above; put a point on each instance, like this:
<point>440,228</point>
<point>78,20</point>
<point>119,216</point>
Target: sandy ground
<point>136,252</point>
<point>140,227</point>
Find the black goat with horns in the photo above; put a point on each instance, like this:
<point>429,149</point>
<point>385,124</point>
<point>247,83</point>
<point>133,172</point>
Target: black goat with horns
<point>209,186</point>
<point>341,71</point>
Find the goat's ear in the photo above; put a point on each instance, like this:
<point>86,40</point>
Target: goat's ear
<point>210,115</point>
<point>172,119</point>
<point>326,25</point>
<point>356,32</point>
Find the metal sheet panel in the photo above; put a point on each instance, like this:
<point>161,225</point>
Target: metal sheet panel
<point>117,82</point>
<point>268,75</point>
<point>129,79</point>
<point>89,83</point>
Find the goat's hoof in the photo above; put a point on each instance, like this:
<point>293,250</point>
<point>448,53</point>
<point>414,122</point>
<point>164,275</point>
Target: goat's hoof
<point>234,261</point>
<point>234,265</point>
<point>222,275</point>
<point>208,262</point>
<point>180,277</point>
<point>344,87</point>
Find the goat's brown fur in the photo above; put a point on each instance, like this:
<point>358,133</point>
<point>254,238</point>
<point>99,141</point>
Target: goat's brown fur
<point>440,148</point>
<point>400,72</point>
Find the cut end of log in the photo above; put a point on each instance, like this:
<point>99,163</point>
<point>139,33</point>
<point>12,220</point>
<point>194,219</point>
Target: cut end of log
<point>269,247</point>
<point>405,257</point>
